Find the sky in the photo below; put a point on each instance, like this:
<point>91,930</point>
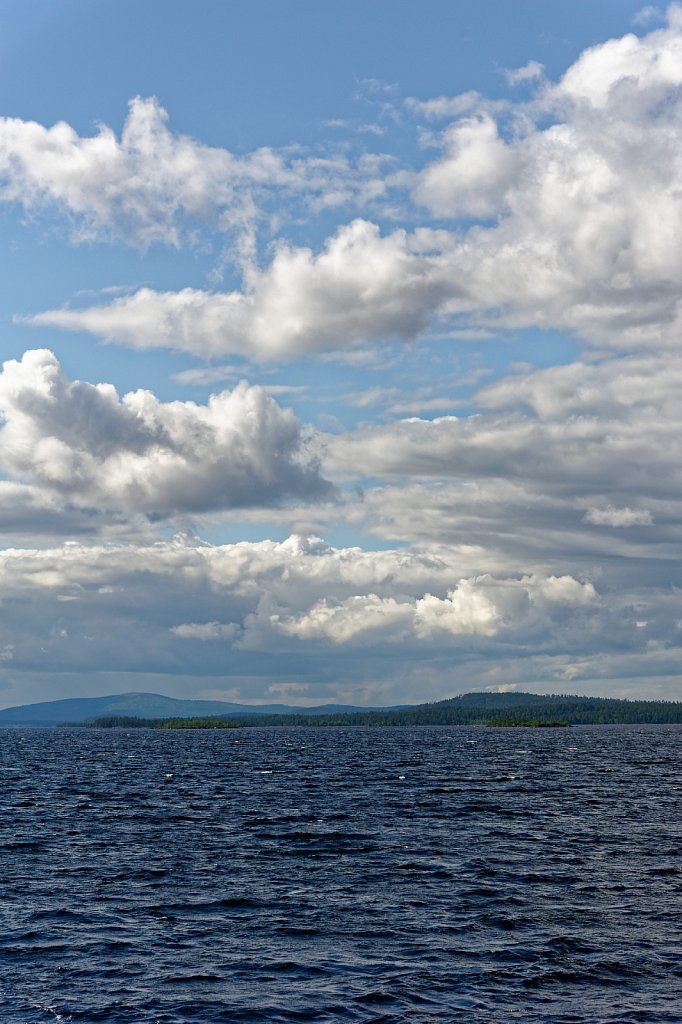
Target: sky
<point>340,349</point>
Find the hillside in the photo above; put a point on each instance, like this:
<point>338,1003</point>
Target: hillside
<point>143,705</point>
<point>467,709</point>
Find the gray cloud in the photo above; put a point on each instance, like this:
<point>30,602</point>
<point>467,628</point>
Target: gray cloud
<point>572,469</point>
<point>256,607</point>
<point>586,430</point>
<point>611,516</point>
<point>141,455</point>
<point>28,512</point>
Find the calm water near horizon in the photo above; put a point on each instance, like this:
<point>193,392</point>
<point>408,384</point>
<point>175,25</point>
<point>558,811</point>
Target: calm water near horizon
<point>352,875</point>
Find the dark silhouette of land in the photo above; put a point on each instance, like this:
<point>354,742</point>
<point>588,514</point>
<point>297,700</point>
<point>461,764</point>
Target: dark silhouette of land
<point>145,710</point>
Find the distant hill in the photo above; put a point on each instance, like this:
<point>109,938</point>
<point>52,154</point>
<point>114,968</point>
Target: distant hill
<point>513,708</point>
<point>145,705</point>
<point>498,708</point>
<point>467,709</point>
<point>502,709</point>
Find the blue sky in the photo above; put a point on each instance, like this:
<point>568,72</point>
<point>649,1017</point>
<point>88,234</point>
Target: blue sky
<point>340,349</point>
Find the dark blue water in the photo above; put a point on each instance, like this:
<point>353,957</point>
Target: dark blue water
<point>412,875</point>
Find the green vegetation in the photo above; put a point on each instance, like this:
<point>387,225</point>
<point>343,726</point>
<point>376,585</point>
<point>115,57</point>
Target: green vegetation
<point>196,723</point>
<point>131,722</point>
<point>118,722</point>
<point>527,723</point>
<point>497,709</point>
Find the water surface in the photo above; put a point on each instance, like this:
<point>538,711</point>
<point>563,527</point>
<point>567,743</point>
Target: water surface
<point>352,875</point>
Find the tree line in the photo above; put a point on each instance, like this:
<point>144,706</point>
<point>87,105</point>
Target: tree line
<point>468,709</point>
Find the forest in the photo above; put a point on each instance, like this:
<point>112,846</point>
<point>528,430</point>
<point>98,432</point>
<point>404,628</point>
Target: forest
<point>495,709</point>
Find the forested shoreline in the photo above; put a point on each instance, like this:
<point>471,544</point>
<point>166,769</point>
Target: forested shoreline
<point>498,709</point>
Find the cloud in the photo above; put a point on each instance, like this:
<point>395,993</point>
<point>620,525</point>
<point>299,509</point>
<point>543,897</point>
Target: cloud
<point>141,455</point>
<point>472,179</point>
<point>630,70</point>
<point>648,14</point>
<point>618,517</point>
<point>366,617</point>
<point>288,690</point>
<point>301,588</point>
<point>546,460</point>
<point>268,613</point>
<point>444,107</point>
<point>135,187</point>
<point>28,512</point>
<point>572,219</point>
<point>203,376</point>
<point>206,630</point>
<point>528,73</point>
<point>580,428</point>
<point>148,185</point>
<point>481,606</point>
<point>361,285</point>
<point>466,609</point>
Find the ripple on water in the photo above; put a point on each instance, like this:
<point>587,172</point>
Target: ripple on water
<point>340,875</point>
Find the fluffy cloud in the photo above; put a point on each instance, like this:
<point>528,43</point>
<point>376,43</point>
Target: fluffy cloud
<point>146,186</point>
<point>472,179</point>
<point>361,285</point>
<point>136,186</point>
<point>141,455</point>
<point>586,220</point>
<point>275,590</point>
<point>363,617</point>
<point>257,606</point>
<point>482,606</point>
<point>630,66</point>
<point>588,211</point>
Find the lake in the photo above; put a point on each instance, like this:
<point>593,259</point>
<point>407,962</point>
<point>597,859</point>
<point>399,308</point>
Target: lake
<point>331,874</point>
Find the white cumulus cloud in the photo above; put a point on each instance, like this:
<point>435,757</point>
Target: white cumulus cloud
<point>572,219</point>
<point>139,454</point>
<point>472,179</point>
<point>147,185</point>
<point>361,285</point>
<point>481,606</point>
